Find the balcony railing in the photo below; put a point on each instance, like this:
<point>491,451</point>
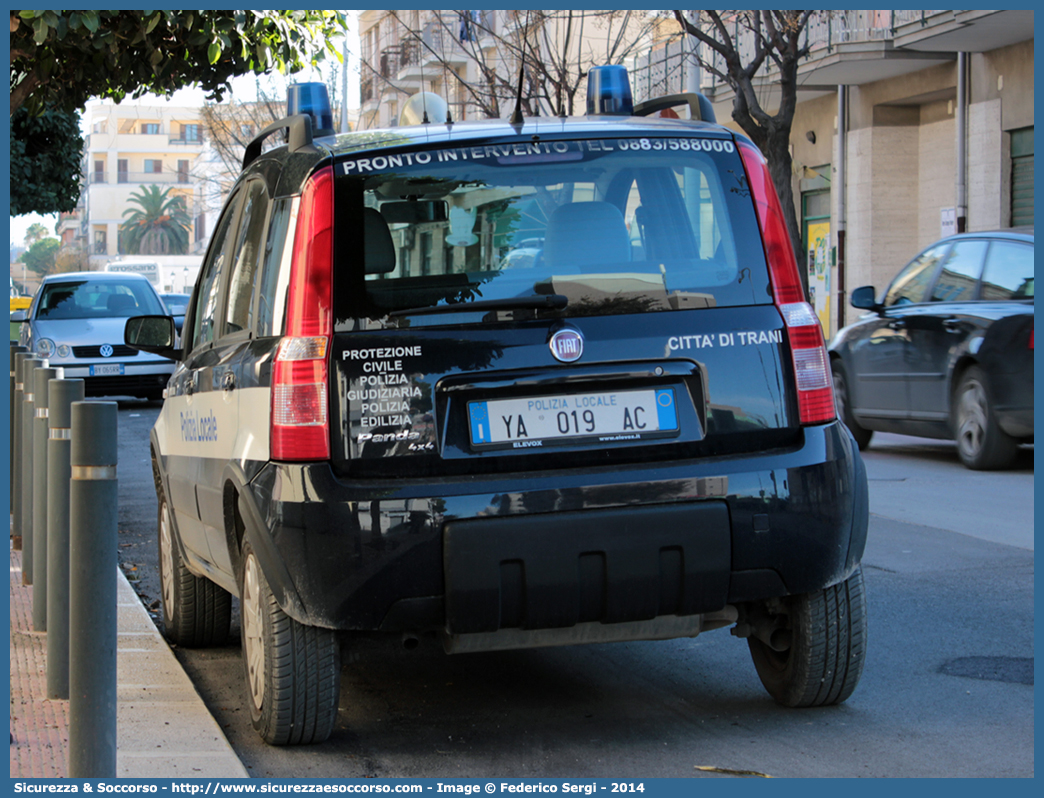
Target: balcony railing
<point>389,62</point>
<point>660,71</point>
<point>442,42</point>
<point>906,17</point>
<point>410,55</point>
<point>95,178</point>
<point>186,141</point>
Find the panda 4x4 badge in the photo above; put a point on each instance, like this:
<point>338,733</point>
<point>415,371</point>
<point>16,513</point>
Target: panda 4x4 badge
<point>567,346</point>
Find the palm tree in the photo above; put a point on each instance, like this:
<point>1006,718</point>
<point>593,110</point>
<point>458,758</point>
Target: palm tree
<point>159,226</point>
<point>34,233</point>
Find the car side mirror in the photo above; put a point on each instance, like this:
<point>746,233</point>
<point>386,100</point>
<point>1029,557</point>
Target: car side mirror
<point>865,298</point>
<point>153,334</point>
<point>19,315</point>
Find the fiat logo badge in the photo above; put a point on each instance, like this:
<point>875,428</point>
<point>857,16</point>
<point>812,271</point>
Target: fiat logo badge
<point>567,346</point>
<point>106,350</point>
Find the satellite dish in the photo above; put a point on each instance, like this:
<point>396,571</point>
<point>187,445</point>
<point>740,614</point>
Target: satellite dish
<point>414,108</point>
<point>462,223</point>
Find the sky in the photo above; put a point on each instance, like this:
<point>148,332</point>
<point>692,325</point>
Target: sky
<point>186,97</point>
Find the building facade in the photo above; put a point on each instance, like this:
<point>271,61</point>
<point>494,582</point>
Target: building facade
<point>909,125</point>
<point>472,59</point>
<point>128,148</point>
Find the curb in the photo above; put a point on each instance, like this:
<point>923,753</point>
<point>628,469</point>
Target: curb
<point>163,728</point>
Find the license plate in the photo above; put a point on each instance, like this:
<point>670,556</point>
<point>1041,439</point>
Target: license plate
<point>107,370</point>
<point>611,417</point>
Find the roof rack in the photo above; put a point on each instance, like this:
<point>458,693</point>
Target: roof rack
<point>299,137</point>
<point>700,108</point>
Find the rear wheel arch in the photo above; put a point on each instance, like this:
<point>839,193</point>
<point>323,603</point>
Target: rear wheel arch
<point>235,528</point>
<point>245,523</point>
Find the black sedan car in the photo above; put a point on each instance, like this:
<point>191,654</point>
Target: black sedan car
<point>947,352</point>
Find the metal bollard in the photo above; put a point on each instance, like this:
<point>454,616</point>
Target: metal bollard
<point>15,350</point>
<point>40,380</point>
<point>16,451</point>
<point>29,366</point>
<point>60,397</point>
<point>92,594</point>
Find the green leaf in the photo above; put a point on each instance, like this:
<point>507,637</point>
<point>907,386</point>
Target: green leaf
<point>90,20</point>
<point>154,20</point>
<point>214,52</point>
<point>40,30</point>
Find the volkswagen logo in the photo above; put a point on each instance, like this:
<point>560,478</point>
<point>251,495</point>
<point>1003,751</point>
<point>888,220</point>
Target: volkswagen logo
<point>106,350</point>
<point>567,345</point>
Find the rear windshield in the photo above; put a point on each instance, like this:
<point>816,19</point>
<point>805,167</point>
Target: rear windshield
<point>89,299</point>
<point>472,234</point>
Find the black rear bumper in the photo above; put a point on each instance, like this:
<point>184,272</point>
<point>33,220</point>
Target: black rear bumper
<point>553,549</point>
<point>609,566</point>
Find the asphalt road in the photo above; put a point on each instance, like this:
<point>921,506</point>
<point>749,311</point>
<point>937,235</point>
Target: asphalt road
<point>947,690</point>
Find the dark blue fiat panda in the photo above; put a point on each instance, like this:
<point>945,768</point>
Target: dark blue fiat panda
<point>507,384</point>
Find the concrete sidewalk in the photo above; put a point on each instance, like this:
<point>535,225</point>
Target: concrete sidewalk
<point>163,728</point>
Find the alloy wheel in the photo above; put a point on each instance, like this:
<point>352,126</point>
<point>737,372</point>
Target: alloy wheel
<point>972,418</point>
<point>166,560</point>
<point>253,632</point>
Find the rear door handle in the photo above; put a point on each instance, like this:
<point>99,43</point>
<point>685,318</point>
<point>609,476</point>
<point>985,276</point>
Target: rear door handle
<point>228,382</point>
<point>896,324</point>
<point>952,325</point>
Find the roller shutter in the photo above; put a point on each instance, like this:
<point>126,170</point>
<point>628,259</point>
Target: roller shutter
<point>1022,177</point>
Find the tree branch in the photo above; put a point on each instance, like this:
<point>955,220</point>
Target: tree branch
<point>21,92</point>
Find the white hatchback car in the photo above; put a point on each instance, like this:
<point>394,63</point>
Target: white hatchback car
<point>76,322</point>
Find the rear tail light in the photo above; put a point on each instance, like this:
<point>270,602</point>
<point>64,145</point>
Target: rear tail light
<point>1031,339</point>
<point>300,376</point>
<point>804,333</point>
<point>815,386</point>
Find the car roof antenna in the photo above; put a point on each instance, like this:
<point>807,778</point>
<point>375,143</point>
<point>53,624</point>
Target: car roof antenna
<point>516,116</point>
<point>424,103</point>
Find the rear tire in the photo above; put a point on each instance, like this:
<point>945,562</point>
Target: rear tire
<point>293,671</point>
<point>196,612</point>
<point>842,399</point>
<point>981,443</point>
<point>825,659</point>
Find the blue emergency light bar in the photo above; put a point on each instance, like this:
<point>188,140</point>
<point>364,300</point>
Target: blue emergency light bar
<point>313,100</point>
<point>609,91</point>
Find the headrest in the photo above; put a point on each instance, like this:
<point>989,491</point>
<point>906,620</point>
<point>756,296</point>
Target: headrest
<point>120,302</point>
<point>378,249</point>
<point>586,234</point>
